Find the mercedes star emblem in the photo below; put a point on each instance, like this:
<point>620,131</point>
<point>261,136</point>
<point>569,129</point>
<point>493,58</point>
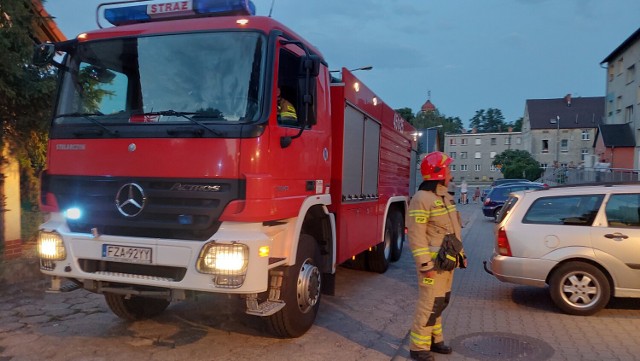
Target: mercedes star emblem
<point>130,200</point>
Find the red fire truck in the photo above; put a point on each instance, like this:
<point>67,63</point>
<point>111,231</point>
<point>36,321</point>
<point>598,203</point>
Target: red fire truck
<point>171,169</point>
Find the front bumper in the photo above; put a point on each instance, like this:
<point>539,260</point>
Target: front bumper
<point>172,264</point>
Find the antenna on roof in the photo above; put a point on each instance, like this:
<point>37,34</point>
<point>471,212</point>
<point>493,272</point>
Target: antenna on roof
<point>271,9</point>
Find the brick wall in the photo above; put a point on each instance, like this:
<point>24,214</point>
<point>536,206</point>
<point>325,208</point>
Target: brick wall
<point>12,249</point>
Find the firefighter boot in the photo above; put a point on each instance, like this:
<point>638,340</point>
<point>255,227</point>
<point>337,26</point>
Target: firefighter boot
<point>440,347</point>
<point>421,355</point>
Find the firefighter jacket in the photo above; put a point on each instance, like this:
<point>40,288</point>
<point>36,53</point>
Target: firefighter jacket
<point>431,216</point>
<point>286,110</point>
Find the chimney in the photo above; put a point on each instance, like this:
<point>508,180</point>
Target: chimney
<point>510,129</point>
<point>474,130</point>
<point>567,99</point>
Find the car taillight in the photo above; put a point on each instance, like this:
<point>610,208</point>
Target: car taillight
<point>502,242</point>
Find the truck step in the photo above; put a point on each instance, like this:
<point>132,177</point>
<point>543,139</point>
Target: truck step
<point>266,308</point>
<point>67,287</point>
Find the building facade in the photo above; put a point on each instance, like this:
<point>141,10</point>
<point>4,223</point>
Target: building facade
<point>561,131</point>
<point>623,96</point>
<point>473,153</point>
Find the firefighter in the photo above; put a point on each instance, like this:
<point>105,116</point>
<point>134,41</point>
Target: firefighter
<point>286,111</point>
<point>432,215</point>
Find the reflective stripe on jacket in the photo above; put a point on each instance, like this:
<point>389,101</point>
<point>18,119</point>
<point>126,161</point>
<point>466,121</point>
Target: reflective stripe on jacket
<point>431,216</point>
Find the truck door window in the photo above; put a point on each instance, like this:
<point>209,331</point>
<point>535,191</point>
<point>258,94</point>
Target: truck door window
<point>104,91</point>
<point>291,86</point>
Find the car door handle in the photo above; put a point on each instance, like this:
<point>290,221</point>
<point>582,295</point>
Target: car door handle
<point>616,235</point>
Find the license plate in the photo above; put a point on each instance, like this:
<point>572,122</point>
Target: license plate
<point>126,254</point>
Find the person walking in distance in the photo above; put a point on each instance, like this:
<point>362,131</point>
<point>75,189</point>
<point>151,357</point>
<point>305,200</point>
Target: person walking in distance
<point>476,195</point>
<point>432,217</point>
<point>451,187</point>
<point>464,189</point>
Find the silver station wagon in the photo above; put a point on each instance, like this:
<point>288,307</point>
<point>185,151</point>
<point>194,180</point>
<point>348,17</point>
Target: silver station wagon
<point>582,241</point>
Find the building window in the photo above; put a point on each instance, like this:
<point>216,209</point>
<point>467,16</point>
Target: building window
<point>478,155</point>
<point>463,141</point>
<point>564,145</point>
<point>628,114</point>
<point>507,141</point>
<point>619,65</point>
<point>584,152</point>
<point>492,155</point>
<point>494,141</point>
<point>463,167</point>
<point>463,155</point>
<point>619,104</point>
<point>585,135</point>
<point>478,167</point>
<point>631,74</point>
<point>544,165</point>
<point>545,146</point>
<point>452,141</point>
<point>453,167</point>
<point>452,155</point>
<point>492,168</point>
<point>478,141</point>
<point>612,71</point>
<point>518,140</point>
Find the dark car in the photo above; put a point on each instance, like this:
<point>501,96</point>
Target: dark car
<point>498,182</point>
<point>496,197</point>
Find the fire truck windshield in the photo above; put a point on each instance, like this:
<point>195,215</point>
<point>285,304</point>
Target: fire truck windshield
<point>214,78</point>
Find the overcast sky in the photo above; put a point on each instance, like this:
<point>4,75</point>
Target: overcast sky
<point>470,54</point>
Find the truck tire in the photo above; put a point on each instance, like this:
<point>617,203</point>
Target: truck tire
<point>135,308</point>
<point>579,288</point>
<point>300,291</point>
<point>397,223</point>
<point>379,257</point>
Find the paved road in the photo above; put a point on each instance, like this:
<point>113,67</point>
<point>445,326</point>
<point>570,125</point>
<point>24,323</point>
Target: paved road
<point>367,319</point>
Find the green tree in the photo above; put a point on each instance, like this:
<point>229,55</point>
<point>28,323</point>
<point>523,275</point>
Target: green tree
<point>518,164</point>
<point>517,125</point>
<point>406,113</point>
<point>424,120</point>
<point>488,121</point>
<point>26,97</point>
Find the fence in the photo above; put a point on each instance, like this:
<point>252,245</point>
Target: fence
<point>557,176</point>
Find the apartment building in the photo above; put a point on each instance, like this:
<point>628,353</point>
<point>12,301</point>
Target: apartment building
<point>474,152</point>
<point>622,105</point>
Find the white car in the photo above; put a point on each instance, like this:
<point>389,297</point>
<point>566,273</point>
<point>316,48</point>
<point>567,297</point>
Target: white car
<point>582,241</point>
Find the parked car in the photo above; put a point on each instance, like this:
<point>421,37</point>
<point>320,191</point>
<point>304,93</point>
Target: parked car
<point>583,242</point>
<point>494,201</point>
<point>500,181</point>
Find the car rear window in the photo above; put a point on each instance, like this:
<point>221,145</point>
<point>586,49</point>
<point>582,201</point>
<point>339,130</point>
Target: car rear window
<point>508,206</point>
<point>578,210</point>
<point>623,210</point>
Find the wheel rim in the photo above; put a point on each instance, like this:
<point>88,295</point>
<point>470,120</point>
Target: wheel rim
<point>308,290</point>
<point>387,243</point>
<point>580,290</point>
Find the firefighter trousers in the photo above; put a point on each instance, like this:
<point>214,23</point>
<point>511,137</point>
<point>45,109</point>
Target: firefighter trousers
<point>433,298</point>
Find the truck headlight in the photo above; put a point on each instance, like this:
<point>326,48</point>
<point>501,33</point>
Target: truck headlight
<point>51,247</point>
<point>228,262</point>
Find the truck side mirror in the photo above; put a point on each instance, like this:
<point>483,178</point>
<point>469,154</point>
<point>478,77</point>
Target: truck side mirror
<point>43,54</point>
<point>310,63</point>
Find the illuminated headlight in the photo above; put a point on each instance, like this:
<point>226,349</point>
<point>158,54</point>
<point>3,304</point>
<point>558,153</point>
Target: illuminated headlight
<point>50,247</point>
<point>73,213</point>
<point>224,258</point>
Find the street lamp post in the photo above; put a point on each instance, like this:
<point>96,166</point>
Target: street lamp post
<point>557,122</point>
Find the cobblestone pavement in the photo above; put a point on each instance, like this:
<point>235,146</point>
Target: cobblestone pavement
<point>367,319</point>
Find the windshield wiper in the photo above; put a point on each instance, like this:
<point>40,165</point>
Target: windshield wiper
<point>88,116</point>
<point>186,115</point>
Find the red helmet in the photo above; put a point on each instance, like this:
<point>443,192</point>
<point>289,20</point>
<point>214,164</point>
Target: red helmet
<point>435,166</point>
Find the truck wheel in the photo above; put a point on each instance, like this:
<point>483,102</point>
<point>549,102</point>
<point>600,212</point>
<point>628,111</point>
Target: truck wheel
<point>135,308</point>
<point>300,291</point>
<point>379,257</point>
<point>397,223</point>
<point>579,289</point>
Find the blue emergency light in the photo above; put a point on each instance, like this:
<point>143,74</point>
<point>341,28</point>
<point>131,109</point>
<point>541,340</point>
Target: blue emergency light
<point>144,11</point>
